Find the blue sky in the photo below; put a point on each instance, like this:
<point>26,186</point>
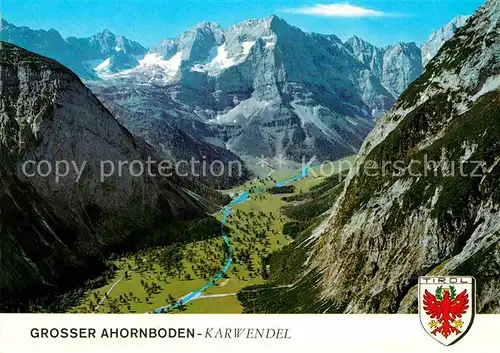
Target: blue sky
<point>381,22</point>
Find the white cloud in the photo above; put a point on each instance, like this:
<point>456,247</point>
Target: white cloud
<point>338,10</point>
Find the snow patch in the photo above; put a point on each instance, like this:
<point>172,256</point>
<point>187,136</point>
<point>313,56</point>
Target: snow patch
<point>243,111</point>
<point>247,46</point>
<point>154,68</point>
<point>222,59</point>
<point>308,115</point>
<point>170,66</point>
<point>219,59</point>
<point>151,68</point>
<point>104,66</point>
<point>270,41</point>
<point>217,63</point>
<point>491,84</point>
<point>469,149</point>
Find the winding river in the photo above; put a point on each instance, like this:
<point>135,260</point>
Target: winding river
<point>226,212</point>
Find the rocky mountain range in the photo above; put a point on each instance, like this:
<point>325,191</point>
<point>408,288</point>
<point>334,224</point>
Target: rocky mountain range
<point>50,228</point>
<point>101,56</point>
<point>400,217</point>
<point>299,94</point>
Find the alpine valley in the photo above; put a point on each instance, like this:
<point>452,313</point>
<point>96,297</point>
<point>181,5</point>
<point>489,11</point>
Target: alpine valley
<point>259,238</point>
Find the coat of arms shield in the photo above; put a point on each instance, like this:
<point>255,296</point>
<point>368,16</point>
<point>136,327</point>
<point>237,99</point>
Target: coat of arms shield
<point>446,306</point>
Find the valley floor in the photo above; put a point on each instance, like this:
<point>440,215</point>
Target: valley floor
<point>158,277</point>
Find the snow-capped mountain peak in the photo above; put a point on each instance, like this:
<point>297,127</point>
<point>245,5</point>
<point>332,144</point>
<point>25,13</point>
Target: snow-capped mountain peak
<point>103,45</point>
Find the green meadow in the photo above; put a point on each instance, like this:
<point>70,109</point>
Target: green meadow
<point>152,278</point>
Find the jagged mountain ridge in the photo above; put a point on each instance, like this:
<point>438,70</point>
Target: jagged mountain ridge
<point>107,53</point>
<point>396,66</point>
<point>439,37</point>
<point>103,45</point>
<point>52,229</point>
<point>388,229</point>
<point>102,53</point>
<point>47,43</point>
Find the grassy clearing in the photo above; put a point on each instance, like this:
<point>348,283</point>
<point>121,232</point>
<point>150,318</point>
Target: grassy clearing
<point>305,211</point>
<point>221,305</point>
<point>156,277</point>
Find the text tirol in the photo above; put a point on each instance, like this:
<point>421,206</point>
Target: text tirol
<point>445,280</point>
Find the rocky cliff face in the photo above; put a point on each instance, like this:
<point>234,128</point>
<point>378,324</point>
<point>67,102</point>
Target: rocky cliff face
<point>43,245</point>
<point>401,216</point>
<point>47,114</point>
<point>146,114</point>
<point>436,40</point>
<point>401,66</point>
<point>396,66</point>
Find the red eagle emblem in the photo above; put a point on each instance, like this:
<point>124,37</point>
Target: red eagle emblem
<point>445,308</point>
